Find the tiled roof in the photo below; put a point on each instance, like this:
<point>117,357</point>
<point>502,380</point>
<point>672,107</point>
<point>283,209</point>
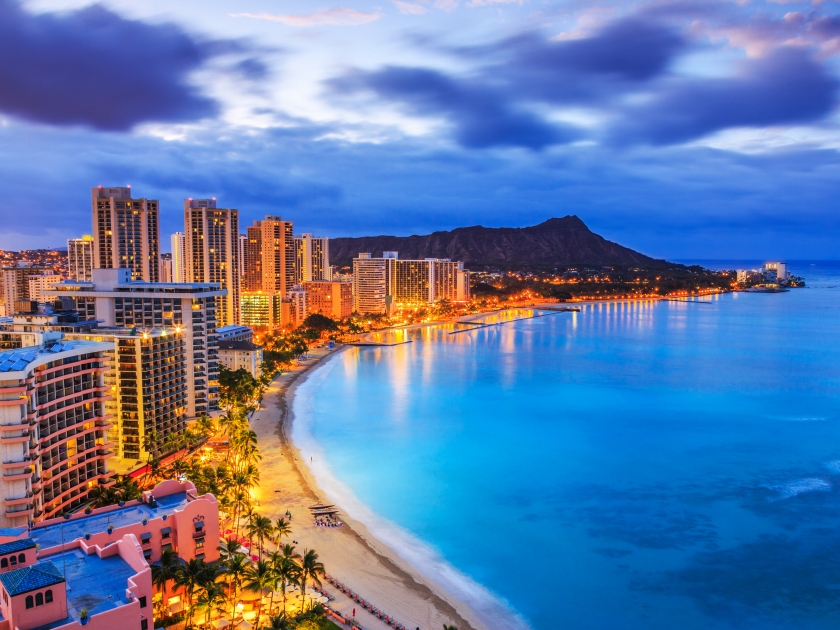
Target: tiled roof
<point>16,545</point>
<point>18,359</point>
<point>30,578</point>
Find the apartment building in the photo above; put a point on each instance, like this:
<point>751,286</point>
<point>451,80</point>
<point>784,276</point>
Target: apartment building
<point>80,258</point>
<point>212,252</point>
<point>40,285</point>
<point>14,286</point>
<point>126,233</point>
<point>331,299</point>
<point>312,258</point>
<point>189,308</point>
<point>53,427</point>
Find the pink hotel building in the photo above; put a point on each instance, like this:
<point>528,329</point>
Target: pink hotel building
<point>98,561</point>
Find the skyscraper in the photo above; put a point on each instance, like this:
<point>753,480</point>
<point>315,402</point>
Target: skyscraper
<point>80,258</point>
<point>312,258</point>
<point>126,233</point>
<point>179,254</point>
<point>252,274</point>
<point>212,252</point>
<point>243,247</point>
<point>270,256</point>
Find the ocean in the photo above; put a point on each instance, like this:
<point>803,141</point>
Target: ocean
<point>636,465</point>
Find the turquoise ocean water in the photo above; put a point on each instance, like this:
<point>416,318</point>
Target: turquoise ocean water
<point>636,465</point>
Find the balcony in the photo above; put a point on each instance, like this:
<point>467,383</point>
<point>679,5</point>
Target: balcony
<point>21,476</point>
<point>15,439</point>
<point>18,501</point>
<point>20,513</point>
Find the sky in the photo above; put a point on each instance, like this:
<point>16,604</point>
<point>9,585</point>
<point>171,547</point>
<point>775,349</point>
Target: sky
<point>685,130</point>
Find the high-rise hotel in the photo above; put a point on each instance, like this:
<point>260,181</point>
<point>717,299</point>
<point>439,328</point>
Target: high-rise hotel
<point>382,284</point>
<point>188,308</point>
<point>212,253</point>
<point>80,258</point>
<point>126,233</point>
<point>53,427</point>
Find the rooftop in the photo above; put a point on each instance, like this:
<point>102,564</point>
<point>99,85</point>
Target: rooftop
<point>95,583</point>
<point>17,360</point>
<point>238,344</point>
<point>31,578</point>
<point>52,535</point>
<point>16,545</point>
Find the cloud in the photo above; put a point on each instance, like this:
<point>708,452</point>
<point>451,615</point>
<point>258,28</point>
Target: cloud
<point>785,87</point>
<point>487,3</point>
<point>410,8</point>
<point>338,16</point>
<point>481,117</point>
<point>94,68</point>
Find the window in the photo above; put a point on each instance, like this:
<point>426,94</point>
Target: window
<point>39,599</point>
<point>142,601</point>
<point>4,563</point>
<point>12,560</point>
<point>22,558</point>
<point>144,624</point>
<point>48,597</point>
<point>30,603</point>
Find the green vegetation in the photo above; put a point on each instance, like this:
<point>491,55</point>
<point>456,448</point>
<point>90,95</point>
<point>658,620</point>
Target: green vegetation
<point>213,590</point>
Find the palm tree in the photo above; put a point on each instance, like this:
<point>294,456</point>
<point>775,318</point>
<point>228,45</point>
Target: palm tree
<point>259,577</point>
<point>164,570</point>
<point>260,528</point>
<point>281,528</point>
<point>211,599</point>
<point>236,568</point>
<point>286,569</point>
<point>310,568</point>
<point>188,577</point>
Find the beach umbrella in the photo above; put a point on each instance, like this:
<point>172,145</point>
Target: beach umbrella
<point>244,625</point>
<point>220,623</point>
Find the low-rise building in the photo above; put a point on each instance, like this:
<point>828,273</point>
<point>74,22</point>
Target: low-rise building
<point>234,332</point>
<point>237,354</point>
<point>93,568</point>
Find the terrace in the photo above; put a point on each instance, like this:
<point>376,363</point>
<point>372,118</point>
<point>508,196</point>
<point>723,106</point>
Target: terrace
<point>95,583</point>
<point>69,530</point>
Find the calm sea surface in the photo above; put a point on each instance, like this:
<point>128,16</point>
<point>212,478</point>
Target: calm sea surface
<point>632,466</point>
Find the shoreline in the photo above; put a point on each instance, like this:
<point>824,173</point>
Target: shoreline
<point>352,554</point>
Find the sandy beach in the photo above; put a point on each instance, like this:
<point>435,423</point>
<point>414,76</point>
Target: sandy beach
<point>350,553</point>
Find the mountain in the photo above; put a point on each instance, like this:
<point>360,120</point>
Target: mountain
<point>554,243</point>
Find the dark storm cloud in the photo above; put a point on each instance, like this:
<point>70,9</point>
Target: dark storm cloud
<point>94,68</point>
<point>785,87</point>
<point>628,57</point>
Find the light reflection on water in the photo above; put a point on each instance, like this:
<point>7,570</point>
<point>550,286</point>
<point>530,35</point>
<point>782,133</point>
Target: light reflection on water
<point>637,465</point>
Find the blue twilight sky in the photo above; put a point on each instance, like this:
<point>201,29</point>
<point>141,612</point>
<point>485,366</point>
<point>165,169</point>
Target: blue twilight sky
<point>705,129</point>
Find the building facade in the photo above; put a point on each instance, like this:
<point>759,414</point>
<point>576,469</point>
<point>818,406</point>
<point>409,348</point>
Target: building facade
<point>331,299</point>
<point>212,252</point>
<point>53,427</point>
<point>40,285</point>
<point>236,355</point>
<point>370,285</point>
<point>178,242</point>
<point>262,310</point>
<point>126,233</point>
<point>80,258</point>
<point>382,284</point>
<point>189,308</point>
<point>270,258</point>
<point>312,258</point>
